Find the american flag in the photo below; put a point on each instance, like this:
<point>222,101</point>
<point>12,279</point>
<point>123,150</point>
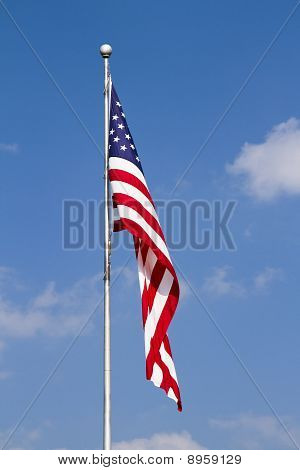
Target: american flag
<point>134,210</point>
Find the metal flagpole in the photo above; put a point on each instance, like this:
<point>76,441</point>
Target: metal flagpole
<point>106,51</point>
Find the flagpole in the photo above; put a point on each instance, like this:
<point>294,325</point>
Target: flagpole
<point>106,51</point>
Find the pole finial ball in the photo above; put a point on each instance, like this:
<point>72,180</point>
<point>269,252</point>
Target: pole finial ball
<point>105,50</point>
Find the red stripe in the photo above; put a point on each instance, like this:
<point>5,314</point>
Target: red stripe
<point>143,242</point>
<point>156,277</point>
<point>162,325</point>
<point>125,177</point>
<point>167,345</point>
<point>144,250</point>
<point>148,295</point>
<point>136,241</point>
<point>168,381</point>
<point>118,225</point>
<point>144,291</point>
<point>137,231</point>
<point>126,200</point>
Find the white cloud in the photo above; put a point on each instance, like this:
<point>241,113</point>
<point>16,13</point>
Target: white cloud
<point>23,439</point>
<point>185,290</point>
<point>129,275</point>
<point>160,441</point>
<point>272,167</point>
<point>9,148</point>
<point>266,277</point>
<point>219,284</point>
<point>51,312</point>
<point>248,232</point>
<point>250,431</point>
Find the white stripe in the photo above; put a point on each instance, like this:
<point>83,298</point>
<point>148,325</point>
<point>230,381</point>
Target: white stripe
<point>132,191</point>
<point>167,359</point>
<point>172,395</point>
<point>160,300</point>
<point>157,375</point>
<point>131,214</point>
<point>141,271</point>
<point>117,163</point>
<point>149,265</point>
<point>145,270</point>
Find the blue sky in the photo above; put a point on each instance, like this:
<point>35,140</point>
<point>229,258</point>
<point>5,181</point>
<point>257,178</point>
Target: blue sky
<point>176,67</point>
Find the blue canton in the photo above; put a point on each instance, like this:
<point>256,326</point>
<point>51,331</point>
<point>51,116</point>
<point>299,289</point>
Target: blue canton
<point>120,142</point>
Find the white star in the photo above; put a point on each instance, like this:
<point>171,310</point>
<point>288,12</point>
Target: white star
<point>121,126</point>
<point>137,158</point>
<point>109,146</point>
<point>127,136</point>
<point>112,131</point>
<point>123,114</point>
<point>116,139</point>
<point>123,147</point>
<point>132,146</point>
<point>115,117</point>
<point>118,104</point>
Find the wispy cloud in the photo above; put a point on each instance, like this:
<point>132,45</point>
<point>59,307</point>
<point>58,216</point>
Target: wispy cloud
<point>248,232</point>
<point>129,275</point>
<point>161,441</point>
<point>52,312</point>
<point>249,431</point>
<point>266,277</point>
<point>220,284</point>
<point>271,168</point>
<point>185,291</point>
<point>25,438</point>
<point>9,148</point>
